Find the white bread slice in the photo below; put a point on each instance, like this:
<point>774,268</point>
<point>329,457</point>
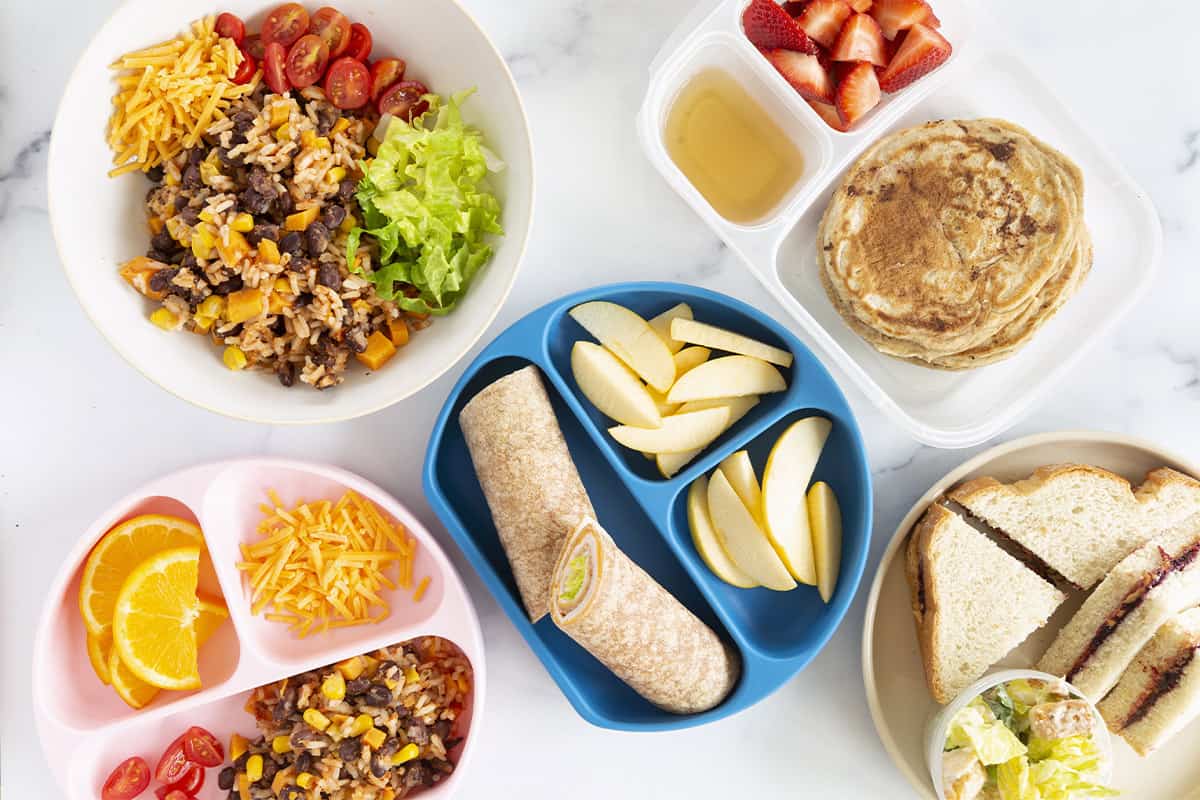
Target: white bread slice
<point>973,602</point>
<point>1152,584</point>
<point>1160,692</point>
<point>1081,520</point>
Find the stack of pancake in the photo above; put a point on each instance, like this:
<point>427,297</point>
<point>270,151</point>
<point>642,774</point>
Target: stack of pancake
<point>951,243</point>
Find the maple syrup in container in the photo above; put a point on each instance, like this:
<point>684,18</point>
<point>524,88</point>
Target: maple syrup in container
<point>730,148</point>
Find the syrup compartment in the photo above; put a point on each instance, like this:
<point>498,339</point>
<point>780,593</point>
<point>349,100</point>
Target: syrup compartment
<point>961,409</point>
<point>597,694</point>
<point>67,693</point>
<point>646,515</point>
<point>562,331</point>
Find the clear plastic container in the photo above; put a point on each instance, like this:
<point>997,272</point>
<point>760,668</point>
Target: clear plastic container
<point>943,409</point>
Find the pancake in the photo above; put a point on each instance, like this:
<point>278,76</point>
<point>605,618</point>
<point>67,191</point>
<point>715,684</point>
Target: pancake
<point>942,236</point>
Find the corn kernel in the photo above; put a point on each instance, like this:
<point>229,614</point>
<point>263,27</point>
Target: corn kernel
<point>237,746</point>
<point>254,767</point>
<point>341,125</point>
<point>207,216</point>
<point>179,230</point>
<point>279,114</point>
<point>351,668</point>
<point>268,251</point>
<point>304,780</point>
<point>208,171</point>
<point>361,306</point>
<point>281,744</point>
<point>243,222</point>
<point>388,794</point>
<point>301,219</point>
<point>165,319</point>
<point>336,174</point>
<point>406,754</point>
<point>235,359</point>
<point>284,132</point>
<point>308,138</point>
<point>202,324</point>
<point>374,738</point>
<point>370,664</point>
<point>156,225</point>
<point>373,145</point>
<point>334,687</point>
<point>282,778</point>
<point>411,676</point>
<point>170,179</point>
<point>391,684</point>
<point>212,306</point>
<point>362,723</point>
<point>232,252</point>
<point>348,223</point>
<point>322,143</point>
<point>316,719</point>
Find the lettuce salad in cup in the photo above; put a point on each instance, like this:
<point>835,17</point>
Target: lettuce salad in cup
<point>1020,735</point>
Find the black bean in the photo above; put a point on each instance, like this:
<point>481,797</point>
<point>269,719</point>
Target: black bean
<point>328,275</point>
<point>350,749</point>
<point>317,237</point>
<point>228,161</point>
<point>417,732</point>
<point>228,286</point>
<point>158,255</point>
<point>260,181</point>
<point>378,695</point>
<point>239,763</point>
<point>417,774</point>
<point>303,736</point>
<point>327,117</point>
<point>346,190</point>
<point>299,264</point>
<point>160,280</point>
<point>442,729</point>
<point>333,216</point>
<point>195,155</point>
<point>180,202</point>
<point>286,372</point>
<point>388,669</point>
<point>155,174</point>
<point>302,300</point>
<point>279,326</point>
<point>291,243</point>
<point>324,352</point>
<point>357,686</point>
<point>291,792</point>
<point>263,230</point>
<point>163,242</point>
<point>189,260</point>
<point>356,338</point>
<point>380,766</point>
<point>268,771</point>
<point>304,762</point>
<point>225,778</point>
<point>254,201</point>
<point>191,177</point>
<point>177,257</point>
<point>190,215</point>
<point>284,204</point>
<point>453,742</point>
<point>243,120</point>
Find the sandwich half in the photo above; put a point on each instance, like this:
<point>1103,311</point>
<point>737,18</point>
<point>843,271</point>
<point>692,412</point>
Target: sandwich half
<point>972,602</point>
<point>1160,692</point>
<point>1152,584</point>
<point>1081,520</point>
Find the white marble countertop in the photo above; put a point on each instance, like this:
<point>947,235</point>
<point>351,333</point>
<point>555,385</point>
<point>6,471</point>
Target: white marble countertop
<point>79,428</point>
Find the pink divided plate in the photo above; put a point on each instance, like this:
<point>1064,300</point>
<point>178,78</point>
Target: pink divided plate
<point>86,730</point>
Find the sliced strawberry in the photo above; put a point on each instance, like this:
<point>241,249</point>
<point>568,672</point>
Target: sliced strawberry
<point>894,16</point>
<point>931,20</point>
<point>795,7</point>
<point>922,51</point>
<point>822,19</point>
<point>860,40</point>
<point>769,27</point>
<point>804,72</point>
<point>861,6</point>
<point>829,114</point>
<point>857,94</point>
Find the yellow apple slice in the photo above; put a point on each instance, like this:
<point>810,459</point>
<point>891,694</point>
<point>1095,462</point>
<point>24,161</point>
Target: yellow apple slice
<point>678,432</point>
<point>689,358</point>
<point>660,402</point>
<point>744,539</point>
<point>612,387</point>
<point>671,463</point>
<point>708,541</point>
<point>740,474</point>
<point>825,519</point>
<point>785,511</point>
<point>692,332</point>
<point>662,325</point>
<point>630,339</point>
<point>728,376</point>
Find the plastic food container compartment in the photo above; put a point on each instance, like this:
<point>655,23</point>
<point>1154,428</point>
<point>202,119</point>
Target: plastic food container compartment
<point>943,409</point>
<point>84,727</point>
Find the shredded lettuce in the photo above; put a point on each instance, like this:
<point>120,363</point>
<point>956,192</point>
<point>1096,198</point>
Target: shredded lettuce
<point>426,203</point>
<point>1005,709</point>
<point>576,568</point>
<point>978,728</point>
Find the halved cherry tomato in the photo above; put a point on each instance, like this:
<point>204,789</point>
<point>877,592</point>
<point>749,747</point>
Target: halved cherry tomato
<point>275,69</point>
<point>169,793</point>
<point>333,27</point>
<point>246,69</point>
<point>231,27</point>
<point>191,784</point>
<point>255,46</point>
<point>306,60</point>
<point>385,73</point>
<point>285,24</point>
<point>360,42</point>
<point>128,780</point>
<point>348,84</point>
<point>404,100</point>
<point>202,748</point>
<point>173,765</point>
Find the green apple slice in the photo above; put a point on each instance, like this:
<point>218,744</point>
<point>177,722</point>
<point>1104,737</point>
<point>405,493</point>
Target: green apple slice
<point>612,387</point>
<point>692,332</point>
<point>630,339</point>
<point>785,510</point>
<point>744,539</point>
<point>728,376</point>
<point>708,541</point>
<point>677,433</point>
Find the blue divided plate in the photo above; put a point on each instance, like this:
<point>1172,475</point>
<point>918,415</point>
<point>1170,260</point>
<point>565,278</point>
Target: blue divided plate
<point>777,633</point>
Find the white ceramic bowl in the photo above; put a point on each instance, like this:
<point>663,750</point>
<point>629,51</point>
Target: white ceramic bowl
<point>99,222</point>
<point>939,725</point>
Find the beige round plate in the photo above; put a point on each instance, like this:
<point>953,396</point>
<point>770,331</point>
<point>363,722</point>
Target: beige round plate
<point>899,701</point>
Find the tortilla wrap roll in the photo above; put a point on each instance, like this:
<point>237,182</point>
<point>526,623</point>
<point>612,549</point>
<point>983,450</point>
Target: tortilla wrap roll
<point>532,487</point>
<point>636,628</point>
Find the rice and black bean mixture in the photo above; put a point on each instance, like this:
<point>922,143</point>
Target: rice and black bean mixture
<point>249,241</point>
<point>374,727</point>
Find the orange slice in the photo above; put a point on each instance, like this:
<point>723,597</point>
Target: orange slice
<point>212,614</point>
<point>116,555</point>
<point>97,650</point>
<point>154,623</point>
<point>129,687</point>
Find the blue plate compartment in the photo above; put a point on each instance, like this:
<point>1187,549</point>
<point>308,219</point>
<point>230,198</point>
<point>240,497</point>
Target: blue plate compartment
<point>776,633</point>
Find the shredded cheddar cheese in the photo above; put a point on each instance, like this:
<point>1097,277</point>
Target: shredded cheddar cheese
<point>169,94</point>
<point>324,565</point>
